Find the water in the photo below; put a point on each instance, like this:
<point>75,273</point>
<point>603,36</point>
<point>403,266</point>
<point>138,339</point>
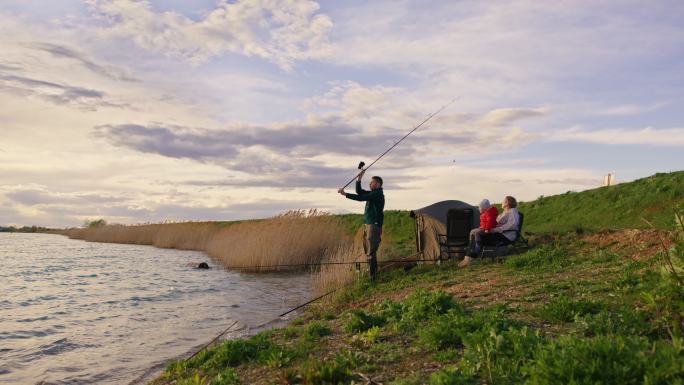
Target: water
<point>73,312</point>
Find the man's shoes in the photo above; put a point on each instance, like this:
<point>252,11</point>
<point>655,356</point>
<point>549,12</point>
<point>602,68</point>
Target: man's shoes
<point>467,260</point>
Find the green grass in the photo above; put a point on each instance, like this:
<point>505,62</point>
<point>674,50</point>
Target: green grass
<point>566,311</point>
<point>621,206</point>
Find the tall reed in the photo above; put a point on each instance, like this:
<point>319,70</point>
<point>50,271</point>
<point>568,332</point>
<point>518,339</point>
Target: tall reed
<point>293,238</point>
<point>334,276</point>
<point>284,242</point>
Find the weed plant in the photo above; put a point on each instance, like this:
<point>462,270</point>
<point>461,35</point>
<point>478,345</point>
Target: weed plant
<point>315,330</point>
<point>564,309</point>
<point>360,321</point>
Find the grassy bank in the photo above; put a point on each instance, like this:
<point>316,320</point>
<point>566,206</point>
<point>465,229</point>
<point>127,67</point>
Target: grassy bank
<point>598,299</point>
<point>614,207</point>
<point>583,309</point>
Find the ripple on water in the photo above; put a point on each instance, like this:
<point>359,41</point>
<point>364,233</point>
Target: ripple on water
<point>43,318</point>
<point>26,334</point>
<point>54,348</point>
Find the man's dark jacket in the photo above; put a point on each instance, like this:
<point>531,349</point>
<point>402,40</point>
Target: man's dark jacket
<point>375,203</point>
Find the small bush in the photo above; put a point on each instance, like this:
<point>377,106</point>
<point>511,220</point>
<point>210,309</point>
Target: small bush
<point>227,377</point>
<point>500,357</point>
<point>315,330</point>
<point>372,335</point>
<point>441,334</point>
<point>451,376</point>
<point>360,321</point>
<point>423,305</point>
<point>278,358</point>
<point>564,309</point>
<point>606,360</point>
<point>623,321</point>
<point>232,353</point>
<point>290,332</point>
<point>194,380</point>
<point>334,372</point>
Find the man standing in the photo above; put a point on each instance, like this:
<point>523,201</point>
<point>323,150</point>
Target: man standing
<point>372,217</point>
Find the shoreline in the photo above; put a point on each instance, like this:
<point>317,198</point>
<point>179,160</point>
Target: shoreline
<point>156,371</point>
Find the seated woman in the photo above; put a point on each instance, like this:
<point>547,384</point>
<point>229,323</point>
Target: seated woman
<point>505,230</point>
<point>488,214</point>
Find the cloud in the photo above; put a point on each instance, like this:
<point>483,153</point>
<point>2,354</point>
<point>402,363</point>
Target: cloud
<point>630,109</point>
<point>593,182</point>
<point>40,196</point>
<point>280,31</point>
<point>506,116</point>
<point>56,93</point>
<point>285,154</point>
<point>621,136</point>
<point>271,157</point>
<point>349,121</point>
<point>61,51</point>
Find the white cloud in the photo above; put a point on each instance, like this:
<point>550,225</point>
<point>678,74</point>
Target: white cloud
<point>281,31</point>
<point>648,136</point>
<point>630,109</point>
<point>505,116</point>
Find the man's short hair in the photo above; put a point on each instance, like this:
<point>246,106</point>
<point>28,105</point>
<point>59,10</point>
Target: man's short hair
<point>378,179</point>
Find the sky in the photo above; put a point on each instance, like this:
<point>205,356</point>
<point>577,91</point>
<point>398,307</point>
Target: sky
<point>142,111</point>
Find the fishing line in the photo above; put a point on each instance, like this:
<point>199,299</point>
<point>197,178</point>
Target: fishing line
<point>400,140</point>
<point>314,264</point>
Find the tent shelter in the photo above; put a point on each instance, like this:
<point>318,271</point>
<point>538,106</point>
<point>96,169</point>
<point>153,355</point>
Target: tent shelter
<point>431,222</point>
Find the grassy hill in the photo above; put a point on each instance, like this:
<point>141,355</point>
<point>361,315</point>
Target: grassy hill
<point>582,307</point>
<point>622,206</point>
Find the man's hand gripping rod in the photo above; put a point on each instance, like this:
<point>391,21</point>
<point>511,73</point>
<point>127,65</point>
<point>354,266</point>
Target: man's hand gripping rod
<point>363,170</point>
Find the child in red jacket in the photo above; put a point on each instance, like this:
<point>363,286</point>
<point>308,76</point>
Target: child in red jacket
<point>487,223</point>
<point>488,216</point>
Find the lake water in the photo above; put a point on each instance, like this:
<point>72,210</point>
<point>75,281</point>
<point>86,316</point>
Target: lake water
<point>74,312</point>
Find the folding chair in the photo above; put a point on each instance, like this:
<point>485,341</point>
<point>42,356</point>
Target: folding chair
<point>501,248</point>
<point>455,242</point>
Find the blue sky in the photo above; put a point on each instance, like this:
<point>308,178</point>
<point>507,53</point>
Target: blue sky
<point>142,111</point>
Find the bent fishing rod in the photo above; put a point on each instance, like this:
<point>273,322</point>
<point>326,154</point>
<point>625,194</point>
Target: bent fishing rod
<point>361,164</point>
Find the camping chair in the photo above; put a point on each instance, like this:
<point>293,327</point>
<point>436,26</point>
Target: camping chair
<point>455,242</point>
<point>501,248</point>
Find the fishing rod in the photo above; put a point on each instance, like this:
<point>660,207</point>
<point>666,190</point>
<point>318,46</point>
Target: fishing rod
<point>361,164</point>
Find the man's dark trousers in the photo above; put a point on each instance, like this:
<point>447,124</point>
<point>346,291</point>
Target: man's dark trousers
<point>371,243</point>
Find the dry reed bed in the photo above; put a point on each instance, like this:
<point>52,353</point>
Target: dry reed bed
<point>284,242</point>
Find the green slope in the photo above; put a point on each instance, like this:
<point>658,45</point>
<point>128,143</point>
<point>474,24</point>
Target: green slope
<point>653,198</point>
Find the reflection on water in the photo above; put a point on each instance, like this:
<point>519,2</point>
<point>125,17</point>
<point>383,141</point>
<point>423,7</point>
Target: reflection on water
<point>73,312</point>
